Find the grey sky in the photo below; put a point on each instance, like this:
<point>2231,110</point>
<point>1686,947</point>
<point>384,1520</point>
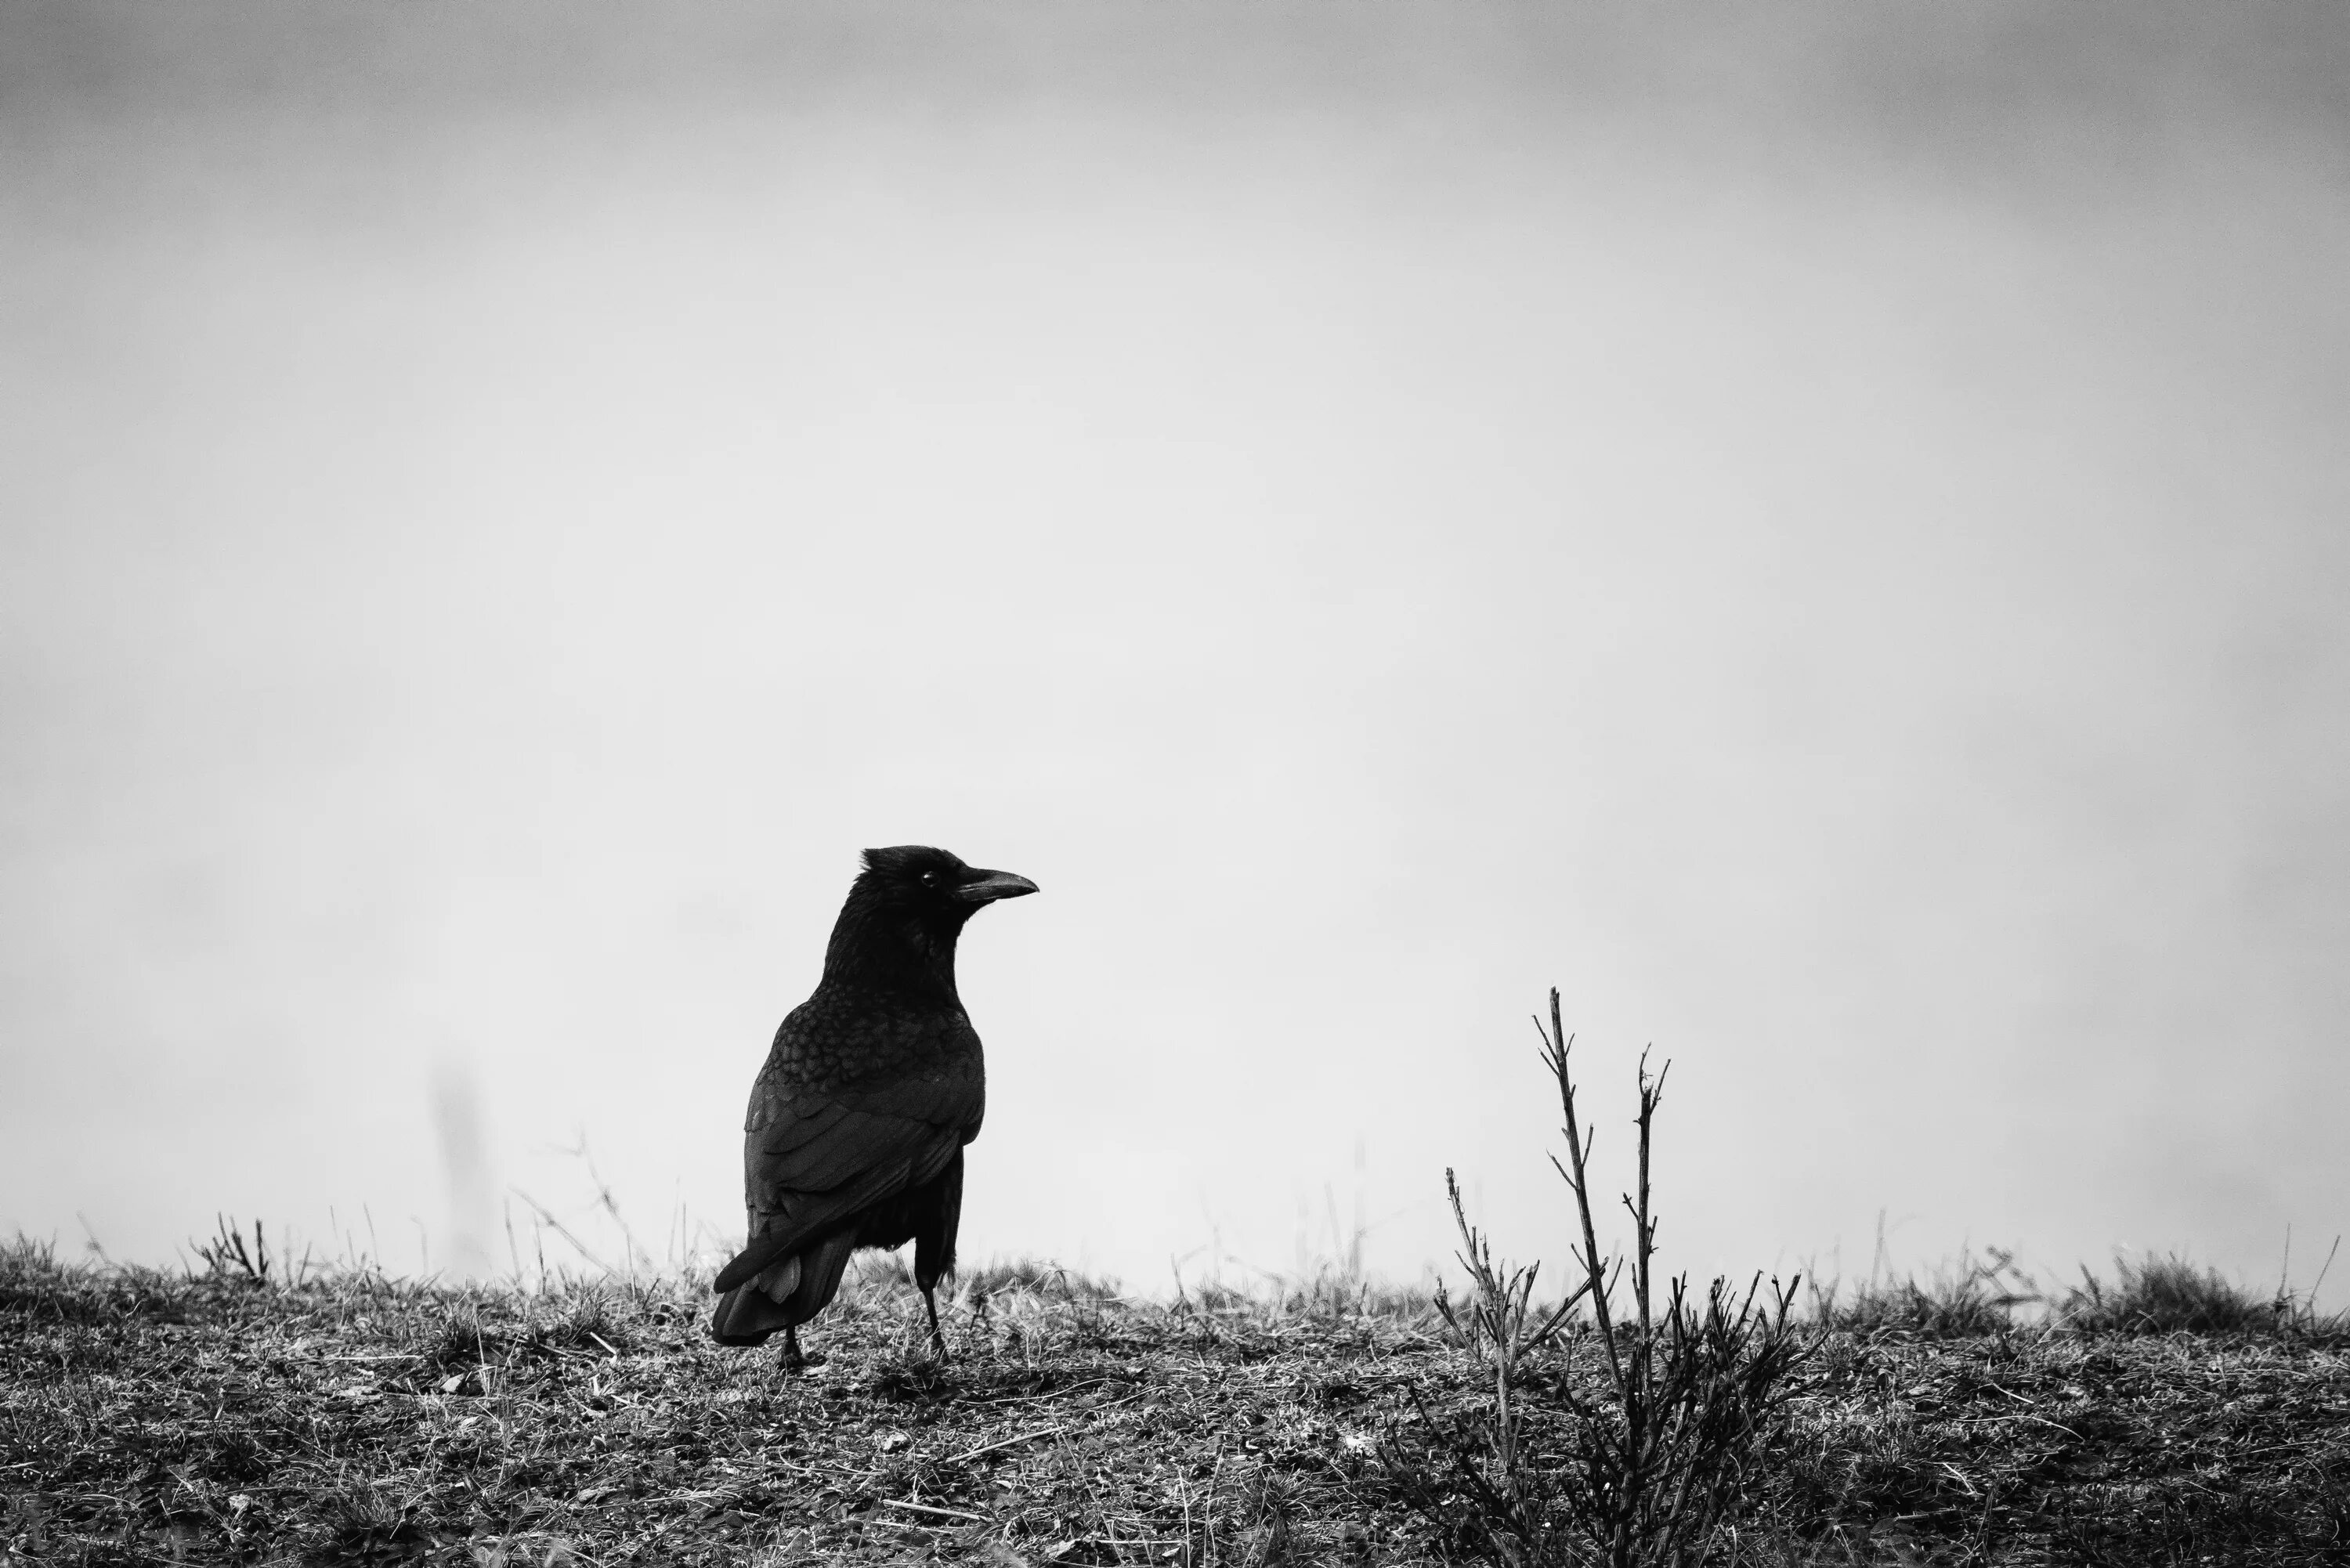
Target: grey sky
<point>1819,534</point>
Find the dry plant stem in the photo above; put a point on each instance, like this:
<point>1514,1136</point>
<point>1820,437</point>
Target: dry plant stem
<point>228,1257</point>
<point>1656,1458</point>
<point>1499,1316</point>
<point>1557,1043</point>
<point>546,1216</point>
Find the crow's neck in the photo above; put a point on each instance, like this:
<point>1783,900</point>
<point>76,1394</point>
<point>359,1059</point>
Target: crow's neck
<point>878,948</point>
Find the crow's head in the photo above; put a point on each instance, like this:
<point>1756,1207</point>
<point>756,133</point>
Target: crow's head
<point>906,910</point>
<point>933,886</point>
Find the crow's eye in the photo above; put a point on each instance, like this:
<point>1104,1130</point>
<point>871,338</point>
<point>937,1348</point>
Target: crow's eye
<point>929,879</point>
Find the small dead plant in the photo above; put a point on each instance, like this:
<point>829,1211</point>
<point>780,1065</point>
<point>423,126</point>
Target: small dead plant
<point>1637,1446</point>
<point>226,1257</point>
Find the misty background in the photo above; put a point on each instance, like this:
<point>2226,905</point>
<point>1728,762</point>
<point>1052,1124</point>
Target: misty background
<point>1818,532</point>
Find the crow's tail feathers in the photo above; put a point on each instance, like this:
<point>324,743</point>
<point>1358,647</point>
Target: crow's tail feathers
<point>784,1294</point>
<point>759,1306</point>
<point>753,1260</point>
<point>747,1315</point>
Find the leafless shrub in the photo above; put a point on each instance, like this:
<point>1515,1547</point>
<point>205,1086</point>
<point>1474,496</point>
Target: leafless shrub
<point>1637,1446</point>
<point>227,1258</point>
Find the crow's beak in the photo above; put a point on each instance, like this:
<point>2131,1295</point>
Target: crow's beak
<point>986,887</point>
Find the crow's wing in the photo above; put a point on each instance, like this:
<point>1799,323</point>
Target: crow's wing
<point>814,1154</point>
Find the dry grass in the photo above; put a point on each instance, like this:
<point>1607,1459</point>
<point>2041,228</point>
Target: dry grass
<point>149,1417</point>
<point>2171,1296</point>
<point>2057,1447</point>
<point>1965,1300</point>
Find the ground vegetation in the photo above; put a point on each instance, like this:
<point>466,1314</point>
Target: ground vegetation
<point>231,1413</point>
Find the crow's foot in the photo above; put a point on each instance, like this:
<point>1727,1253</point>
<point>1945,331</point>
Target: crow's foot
<point>938,1340</point>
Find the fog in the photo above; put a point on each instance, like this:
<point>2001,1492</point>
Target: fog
<point>1819,534</point>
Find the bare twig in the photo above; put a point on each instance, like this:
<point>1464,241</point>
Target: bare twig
<point>926,1508</point>
<point>547,1217</point>
<point>227,1257</point>
<point>1003,1443</point>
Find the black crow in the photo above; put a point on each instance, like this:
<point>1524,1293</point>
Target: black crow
<point>858,1121</point>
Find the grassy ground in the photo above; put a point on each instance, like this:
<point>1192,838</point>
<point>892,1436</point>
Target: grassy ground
<point>154,1417</point>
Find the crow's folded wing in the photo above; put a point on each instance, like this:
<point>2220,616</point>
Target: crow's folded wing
<point>811,1159</point>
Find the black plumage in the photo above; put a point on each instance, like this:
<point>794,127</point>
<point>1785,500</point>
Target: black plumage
<point>858,1121</point>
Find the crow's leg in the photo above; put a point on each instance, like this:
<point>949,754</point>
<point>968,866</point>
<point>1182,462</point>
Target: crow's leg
<point>930,1306</point>
<point>792,1360</point>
